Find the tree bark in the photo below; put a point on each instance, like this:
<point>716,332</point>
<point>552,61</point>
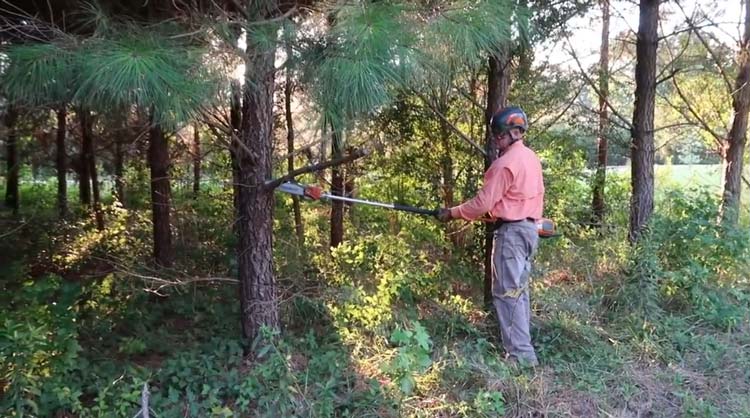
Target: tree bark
<point>119,170</point>
<point>288,89</point>
<point>446,168</point>
<point>598,204</point>
<point>197,161</point>
<point>337,188</point>
<point>90,165</point>
<point>84,176</point>
<point>158,160</point>
<point>62,162</point>
<point>642,148</point>
<point>98,214</point>
<point>730,208</point>
<point>258,291</point>
<point>235,119</point>
<point>13,164</point>
<point>498,84</point>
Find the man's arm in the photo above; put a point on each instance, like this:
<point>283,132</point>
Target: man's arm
<point>497,180</point>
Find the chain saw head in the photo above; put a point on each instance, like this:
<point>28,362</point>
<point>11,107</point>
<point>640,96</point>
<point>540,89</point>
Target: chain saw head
<point>296,189</point>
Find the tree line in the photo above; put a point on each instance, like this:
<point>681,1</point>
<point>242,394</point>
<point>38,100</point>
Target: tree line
<point>126,78</point>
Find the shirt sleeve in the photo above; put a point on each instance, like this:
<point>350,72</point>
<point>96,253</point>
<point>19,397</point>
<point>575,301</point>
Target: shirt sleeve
<point>497,180</point>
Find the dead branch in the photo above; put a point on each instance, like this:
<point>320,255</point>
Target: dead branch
<point>357,154</point>
<point>592,84</point>
<point>453,127</point>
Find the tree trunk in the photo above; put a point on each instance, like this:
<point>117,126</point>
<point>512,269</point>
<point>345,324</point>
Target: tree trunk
<point>98,214</point>
<point>337,188</point>
<point>158,160</point>
<point>84,176</point>
<point>62,162</point>
<point>598,204</point>
<point>446,168</point>
<point>13,165</point>
<point>258,297</point>
<point>197,160</point>
<point>288,88</point>
<point>730,208</point>
<point>119,170</point>
<point>642,149</point>
<point>90,162</point>
<point>235,119</point>
<point>498,83</point>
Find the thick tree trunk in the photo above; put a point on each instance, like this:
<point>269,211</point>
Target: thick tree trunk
<point>62,162</point>
<point>735,153</point>
<point>598,204</point>
<point>288,88</point>
<point>498,84</point>
<point>197,161</point>
<point>642,149</point>
<point>158,160</point>
<point>258,297</point>
<point>337,188</point>
<point>84,176</point>
<point>13,164</point>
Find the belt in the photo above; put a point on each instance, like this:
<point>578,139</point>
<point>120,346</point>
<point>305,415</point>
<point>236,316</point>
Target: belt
<point>498,223</point>
<point>529,219</point>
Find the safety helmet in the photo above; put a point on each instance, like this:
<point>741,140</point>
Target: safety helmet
<point>508,118</point>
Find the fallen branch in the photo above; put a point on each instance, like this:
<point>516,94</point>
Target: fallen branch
<point>12,231</point>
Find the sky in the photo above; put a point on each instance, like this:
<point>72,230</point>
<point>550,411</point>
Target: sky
<point>586,30</point>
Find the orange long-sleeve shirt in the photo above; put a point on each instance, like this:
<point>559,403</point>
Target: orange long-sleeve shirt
<point>513,188</point>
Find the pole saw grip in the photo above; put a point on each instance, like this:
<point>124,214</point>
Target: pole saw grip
<point>412,209</point>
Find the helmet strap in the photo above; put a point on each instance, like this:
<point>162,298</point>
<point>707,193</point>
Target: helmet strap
<point>515,138</point>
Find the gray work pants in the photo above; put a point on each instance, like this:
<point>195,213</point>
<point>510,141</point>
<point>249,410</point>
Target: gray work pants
<point>515,245</point>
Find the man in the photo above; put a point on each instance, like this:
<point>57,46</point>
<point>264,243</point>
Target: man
<point>512,194</point>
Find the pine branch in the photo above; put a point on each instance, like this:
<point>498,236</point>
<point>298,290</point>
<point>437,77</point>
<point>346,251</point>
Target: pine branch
<point>593,85</point>
<point>453,127</point>
<point>710,50</point>
<point>357,154</point>
<point>561,113</point>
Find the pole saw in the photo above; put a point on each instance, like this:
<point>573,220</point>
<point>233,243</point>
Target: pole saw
<point>545,227</point>
<point>315,193</point>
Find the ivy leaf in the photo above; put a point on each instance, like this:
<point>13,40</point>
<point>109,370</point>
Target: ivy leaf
<point>407,384</point>
<point>421,336</point>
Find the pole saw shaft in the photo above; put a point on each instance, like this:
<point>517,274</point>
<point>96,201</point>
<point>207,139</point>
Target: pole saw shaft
<point>299,190</point>
<point>393,206</point>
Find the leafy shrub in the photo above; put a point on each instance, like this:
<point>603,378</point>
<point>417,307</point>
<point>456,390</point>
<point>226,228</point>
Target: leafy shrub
<point>688,262</point>
<point>412,356</point>
<point>39,351</point>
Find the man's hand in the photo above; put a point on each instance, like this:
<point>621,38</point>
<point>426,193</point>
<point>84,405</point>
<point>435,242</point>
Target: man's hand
<point>444,215</point>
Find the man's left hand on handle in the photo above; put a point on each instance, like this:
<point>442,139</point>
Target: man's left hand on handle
<point>444,215</point>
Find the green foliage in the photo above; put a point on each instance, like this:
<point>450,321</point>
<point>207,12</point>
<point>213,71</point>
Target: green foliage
<point>689,262</point>
<point>40,74</point>
<point>146,69</point>
<point>373,50</point>
<point>412,356</point>
<point>490,403</point>
<point>39,350</point>
<point>378,273</point>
